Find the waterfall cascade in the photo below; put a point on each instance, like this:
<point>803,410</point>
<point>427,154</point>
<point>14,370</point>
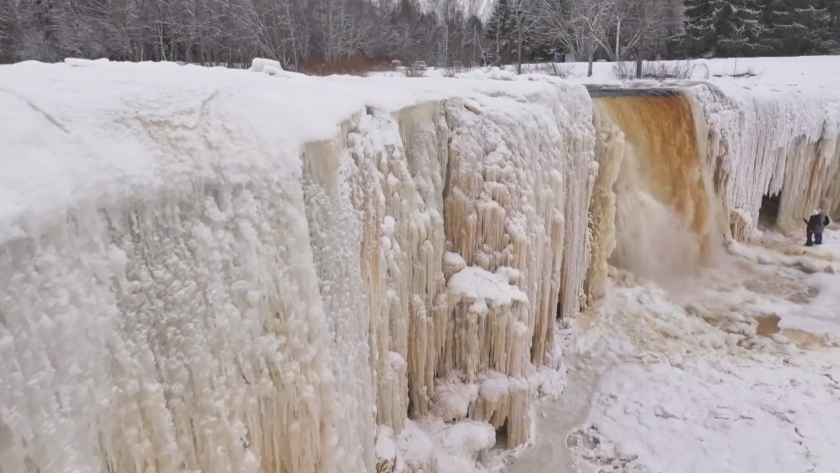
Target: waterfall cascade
<point>663,201</point>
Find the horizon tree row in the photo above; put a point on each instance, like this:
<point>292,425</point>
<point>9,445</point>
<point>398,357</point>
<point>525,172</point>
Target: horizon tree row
<point>308,34</point>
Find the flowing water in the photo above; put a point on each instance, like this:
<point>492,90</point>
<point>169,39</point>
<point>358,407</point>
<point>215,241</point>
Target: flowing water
<point>664,227</point>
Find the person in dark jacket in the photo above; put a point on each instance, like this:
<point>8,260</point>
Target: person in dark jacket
<point>815,226</point>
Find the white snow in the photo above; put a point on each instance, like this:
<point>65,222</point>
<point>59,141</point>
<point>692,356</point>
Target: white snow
<point>449,448</point>
<point>717,416</point>
<point>688,385</point>
<point>453,398</point>
<point>822,281</point>
<point>494,289</point>
<point>268,66</point>
<point>831,243</point>
<point>802,73</point>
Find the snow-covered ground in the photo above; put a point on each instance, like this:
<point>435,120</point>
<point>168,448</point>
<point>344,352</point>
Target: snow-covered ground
<point>831,243</point>
<point>801,72</point>
<point>822,72</point>
<point>720,415</point>
<point>734,370</point>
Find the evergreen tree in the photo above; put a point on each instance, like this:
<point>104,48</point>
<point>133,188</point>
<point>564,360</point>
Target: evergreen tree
<point>747,31</point>
<point>700,27</point>
<point>832,30</point>
<point>723,28</point>
<point>500,30</point>
<point>798,27</point>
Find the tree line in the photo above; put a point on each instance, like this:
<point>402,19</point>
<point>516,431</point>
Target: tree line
<point>723,28</point>
<point>299,33</point>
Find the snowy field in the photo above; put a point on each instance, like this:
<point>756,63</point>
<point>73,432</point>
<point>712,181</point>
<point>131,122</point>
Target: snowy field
<point>822,72</point>
<point>801,72</point>
<point>182,190</point>
<point>706,390</point>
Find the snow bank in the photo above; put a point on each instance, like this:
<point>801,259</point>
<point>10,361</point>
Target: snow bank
<point>229,271</point>
<point>268,66</point>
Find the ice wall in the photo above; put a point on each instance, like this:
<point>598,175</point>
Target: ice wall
<point>461,238</point>
<point>609,156</point>
<point>159,309</point>
<point>335,236</point>
<point>196,277</point>
<point>768,141</point>
<point>511,176</point>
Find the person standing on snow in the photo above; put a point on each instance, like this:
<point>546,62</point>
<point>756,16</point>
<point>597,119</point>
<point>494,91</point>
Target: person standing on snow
<point>824,221</point>
<point>815,226</point>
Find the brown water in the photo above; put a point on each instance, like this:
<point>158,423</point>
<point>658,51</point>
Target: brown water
<point>664,201</point>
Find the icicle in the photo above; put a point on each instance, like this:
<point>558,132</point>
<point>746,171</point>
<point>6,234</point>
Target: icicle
<point>609,153</point>
<point>508,191</point>
<point>763,145</point>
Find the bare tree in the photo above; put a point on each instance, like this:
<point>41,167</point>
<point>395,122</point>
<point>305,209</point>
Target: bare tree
<point>232,32</point>
<point>580,25</point>
<point>651,24</point>
<point>621,13</point>
<point>525,20</point>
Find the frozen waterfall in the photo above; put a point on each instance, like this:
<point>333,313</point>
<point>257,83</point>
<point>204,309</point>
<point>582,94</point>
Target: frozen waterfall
<point>205,270</point>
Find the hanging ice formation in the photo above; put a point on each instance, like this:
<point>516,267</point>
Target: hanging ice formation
<point>768,143</point>
<point>210,298</point>
<point>184,289</point>
<point>464,261</point>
